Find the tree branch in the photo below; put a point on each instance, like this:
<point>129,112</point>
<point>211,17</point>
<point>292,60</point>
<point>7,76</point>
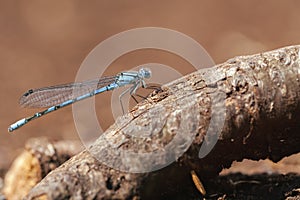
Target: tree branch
<point>262,114</point>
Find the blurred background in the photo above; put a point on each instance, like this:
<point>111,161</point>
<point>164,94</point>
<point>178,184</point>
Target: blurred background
<point>43,43</point>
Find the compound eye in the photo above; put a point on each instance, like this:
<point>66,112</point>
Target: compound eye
<point>145,72</point>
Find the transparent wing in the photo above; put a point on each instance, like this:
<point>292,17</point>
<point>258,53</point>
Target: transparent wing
<point>54,95</point>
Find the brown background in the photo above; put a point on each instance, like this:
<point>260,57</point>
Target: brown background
<point>43,43</point>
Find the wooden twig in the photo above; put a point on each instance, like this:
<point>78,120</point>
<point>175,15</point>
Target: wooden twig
<point>262,107</point>
<point>34,163</point>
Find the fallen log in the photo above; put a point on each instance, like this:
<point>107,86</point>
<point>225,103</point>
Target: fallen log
<point>163,135</point>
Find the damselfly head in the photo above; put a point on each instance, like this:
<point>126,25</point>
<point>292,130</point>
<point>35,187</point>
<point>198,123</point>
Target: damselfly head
<point>145,72</point>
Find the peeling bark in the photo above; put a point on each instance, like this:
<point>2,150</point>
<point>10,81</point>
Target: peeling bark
<point>262,114</point>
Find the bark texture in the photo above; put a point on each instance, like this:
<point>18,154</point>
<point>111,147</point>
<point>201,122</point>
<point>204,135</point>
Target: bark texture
<point>260,96</point>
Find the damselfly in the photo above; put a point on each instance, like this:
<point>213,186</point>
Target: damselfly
<point>59,96</point>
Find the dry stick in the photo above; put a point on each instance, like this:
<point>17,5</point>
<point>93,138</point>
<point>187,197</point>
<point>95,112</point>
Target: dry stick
<point>262,116</point>
<point>35,162</point>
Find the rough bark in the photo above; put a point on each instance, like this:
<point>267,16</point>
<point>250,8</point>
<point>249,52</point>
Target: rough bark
<point>262,114</point>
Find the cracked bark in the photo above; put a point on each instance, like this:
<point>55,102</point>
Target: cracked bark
<point>262,113</point>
